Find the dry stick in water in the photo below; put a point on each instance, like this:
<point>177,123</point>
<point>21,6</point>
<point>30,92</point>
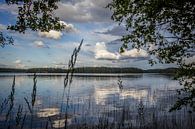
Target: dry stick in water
<point>68,79</point>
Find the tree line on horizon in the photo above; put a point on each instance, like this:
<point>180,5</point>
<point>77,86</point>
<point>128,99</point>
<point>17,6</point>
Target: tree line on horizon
<point>90,70</point>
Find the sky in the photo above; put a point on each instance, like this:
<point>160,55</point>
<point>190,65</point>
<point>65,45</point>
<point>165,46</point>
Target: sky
<point>84,19</point>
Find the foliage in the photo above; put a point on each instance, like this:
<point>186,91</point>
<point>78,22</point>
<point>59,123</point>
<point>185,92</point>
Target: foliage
<point>35,15</point>
<point>166,29</point>
<point>5,40</point>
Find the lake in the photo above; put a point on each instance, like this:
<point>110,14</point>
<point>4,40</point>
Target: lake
<point>92,101</point>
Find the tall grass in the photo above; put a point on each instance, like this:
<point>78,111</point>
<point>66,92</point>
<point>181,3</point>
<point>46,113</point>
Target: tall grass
<point>69,77</point>
<point>33,99</point>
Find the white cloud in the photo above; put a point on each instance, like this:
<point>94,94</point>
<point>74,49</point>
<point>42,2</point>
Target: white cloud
<point>68,28</point>
<point>101,52</point>
<point>75,10</point>
<point>134,53</point>
<point>17,61</point>
<point>51,34</point>
<point>12,8</point>
<point>40,44</point>
<point>2,27</point>
<point>19,64</point>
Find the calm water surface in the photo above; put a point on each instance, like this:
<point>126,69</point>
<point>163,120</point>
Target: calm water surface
<point>91,97</point>
<point>136,87</point>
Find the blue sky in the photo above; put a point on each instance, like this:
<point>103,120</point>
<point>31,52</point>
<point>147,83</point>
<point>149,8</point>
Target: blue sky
<point>84,19</point>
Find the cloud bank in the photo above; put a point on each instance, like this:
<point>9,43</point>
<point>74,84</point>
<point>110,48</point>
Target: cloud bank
<point>101,53</point>
<point>84,11</point>
<point>51,34</point>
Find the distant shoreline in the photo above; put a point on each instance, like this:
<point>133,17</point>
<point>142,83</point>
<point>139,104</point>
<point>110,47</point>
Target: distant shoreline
<point>96,70</point>
<point>127,75</point>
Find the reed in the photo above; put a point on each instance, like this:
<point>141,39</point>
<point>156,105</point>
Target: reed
<point>68,79</point>
<point>120,83</point>
<point>10,101</point>
<point>33,99</point>
<point>4,105</point>
<point>19,115</point>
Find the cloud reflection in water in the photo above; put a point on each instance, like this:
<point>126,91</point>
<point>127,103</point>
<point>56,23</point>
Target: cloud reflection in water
<point>102,94</point>
<point>47,112</point>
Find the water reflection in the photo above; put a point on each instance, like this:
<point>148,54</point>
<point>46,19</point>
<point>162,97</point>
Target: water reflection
<point>102,94</point>
<point>47,112</point>
<point>93,99</point>
<point>135,94</point>
<point>61,123</point>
